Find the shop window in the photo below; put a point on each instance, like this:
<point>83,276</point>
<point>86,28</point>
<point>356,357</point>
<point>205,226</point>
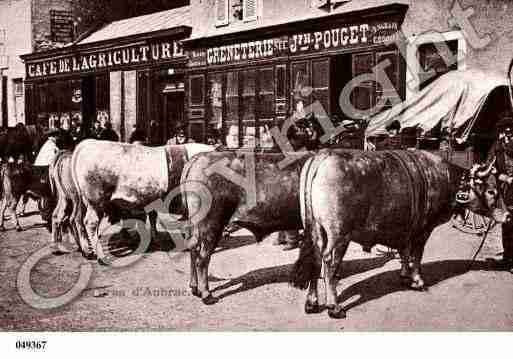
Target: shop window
<point>248,108</point>
<point>266,93</point>
<point>363,95</point>
<point>301,90</point>
<point>392,72</point>
<point>215,88</point>
<point>436,59</point>
<point>222,12</point>
<point>321,82</point>
<point>250,10</point>
<point>196,86</point>
<point>232,99</point>
<point>281,80</point>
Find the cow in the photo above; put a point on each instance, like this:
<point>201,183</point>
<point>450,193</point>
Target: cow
<point>276,206</point>
<point>392,198</point>
<point>69,209</point>
<point>112,176</point>
<point>17,176</point>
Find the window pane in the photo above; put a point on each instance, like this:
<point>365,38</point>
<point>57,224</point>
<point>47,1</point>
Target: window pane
<point>196,90</point>
<point>248,95</point>
<point>266,98</point>
<point>320,74</point>
<point>281,77</point>
<point>216,98</point>
<point>232,97</point>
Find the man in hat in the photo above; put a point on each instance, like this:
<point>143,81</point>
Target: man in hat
<point>503,150</point>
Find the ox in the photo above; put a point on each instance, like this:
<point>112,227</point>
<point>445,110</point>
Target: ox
<point>276,207</point>
<point>393,198</point>
<point>69,209</point>
<point>16,174</point>
<point>112,176</point>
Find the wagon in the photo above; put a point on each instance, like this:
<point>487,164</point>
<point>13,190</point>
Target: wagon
<point>455,117</point>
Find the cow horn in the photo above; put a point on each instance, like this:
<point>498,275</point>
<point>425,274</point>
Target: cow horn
<point>488,169</point>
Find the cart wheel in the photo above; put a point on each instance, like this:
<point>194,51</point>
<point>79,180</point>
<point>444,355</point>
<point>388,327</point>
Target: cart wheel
<point>472,223</point>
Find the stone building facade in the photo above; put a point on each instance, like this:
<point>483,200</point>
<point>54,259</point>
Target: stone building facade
<point>27,26</point>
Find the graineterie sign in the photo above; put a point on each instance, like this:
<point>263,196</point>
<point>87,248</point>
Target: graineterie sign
<point>105,59</point>
<point>326,39</point>
<point>247,51</point>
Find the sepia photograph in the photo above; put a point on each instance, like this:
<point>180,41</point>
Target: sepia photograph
<point>295,166</point>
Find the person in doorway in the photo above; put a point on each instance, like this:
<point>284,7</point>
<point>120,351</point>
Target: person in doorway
<point>178,139</point>
<point>65,139</point>
<point>96,130</point>
<point>138,136</point>
<point>107,133</point>
<point>154,138</point>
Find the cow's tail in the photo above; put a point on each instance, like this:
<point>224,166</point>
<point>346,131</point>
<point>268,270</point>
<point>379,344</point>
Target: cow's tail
<point>191,230</point>
<point>306,267</point>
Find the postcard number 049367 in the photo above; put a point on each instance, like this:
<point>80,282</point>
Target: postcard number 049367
<point>31,344</point>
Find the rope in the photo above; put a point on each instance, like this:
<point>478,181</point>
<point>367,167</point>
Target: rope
<point>485,235</point>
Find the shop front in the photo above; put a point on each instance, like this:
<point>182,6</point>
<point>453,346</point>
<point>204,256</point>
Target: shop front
<point>240,85</point>
<point>131,80</point>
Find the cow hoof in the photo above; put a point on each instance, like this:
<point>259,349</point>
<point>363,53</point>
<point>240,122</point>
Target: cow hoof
<point>336,312</point>
<point>195,292</point>
<point>2,229</point>
<point>103,261</point>
<point>209,300</point>
<point>19,229</point>
<point>89,256</point>
<point>418,284</point>
<point>312,308</point>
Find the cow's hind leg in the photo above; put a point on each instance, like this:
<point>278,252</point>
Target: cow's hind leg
<point>3,207</point>
<point>58,220</point>
<point>311,250</point>
<point>405,273</point>
<point>193,281</point>
<point>92,221</point>
<point>417,252</point>
<point>77,222</point>
<point>332,265</point>
<point>12,203</point>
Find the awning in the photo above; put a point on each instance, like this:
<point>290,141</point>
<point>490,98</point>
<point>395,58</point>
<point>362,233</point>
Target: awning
<point>455,100</point>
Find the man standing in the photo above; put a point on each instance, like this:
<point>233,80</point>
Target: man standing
<point>504,154</point>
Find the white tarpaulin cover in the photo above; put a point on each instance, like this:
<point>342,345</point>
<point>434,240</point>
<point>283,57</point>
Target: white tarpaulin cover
<point>455,98</point>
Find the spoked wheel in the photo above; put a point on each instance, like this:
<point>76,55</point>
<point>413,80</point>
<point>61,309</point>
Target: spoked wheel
<point>472,223</point>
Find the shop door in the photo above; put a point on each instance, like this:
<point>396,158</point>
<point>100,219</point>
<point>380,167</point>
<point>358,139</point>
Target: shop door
<point>3,101</point>
<point>88,94</point>
<point>173,113</point>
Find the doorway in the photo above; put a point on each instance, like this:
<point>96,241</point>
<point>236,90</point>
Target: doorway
<point>172,116</point>
<point>3,102</point>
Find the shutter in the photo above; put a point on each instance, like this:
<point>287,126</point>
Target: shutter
<point>249,10</point>
<point>221,12</point>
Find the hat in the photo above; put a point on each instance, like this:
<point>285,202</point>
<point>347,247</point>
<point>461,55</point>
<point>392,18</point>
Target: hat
<point>52,132</point>
<point>505,121</point>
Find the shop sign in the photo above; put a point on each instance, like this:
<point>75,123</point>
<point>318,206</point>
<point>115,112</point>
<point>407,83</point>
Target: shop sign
<point>247,51</point>
<point>336,37</point>
<point>106,59</point>
<point>343,37</point>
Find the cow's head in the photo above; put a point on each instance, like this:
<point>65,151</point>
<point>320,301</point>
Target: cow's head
<point>480,192</point>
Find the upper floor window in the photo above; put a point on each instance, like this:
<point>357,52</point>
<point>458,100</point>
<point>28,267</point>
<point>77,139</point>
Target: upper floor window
<point>61,26</point>
<point>249,10</point>
<point>236,10</point>
<point>222,7</point>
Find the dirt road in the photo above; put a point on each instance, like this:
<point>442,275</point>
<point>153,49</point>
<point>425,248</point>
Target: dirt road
<point>251,281</point>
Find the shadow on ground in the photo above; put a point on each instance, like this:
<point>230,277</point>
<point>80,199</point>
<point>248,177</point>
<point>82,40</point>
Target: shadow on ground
<point>280,274</point>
